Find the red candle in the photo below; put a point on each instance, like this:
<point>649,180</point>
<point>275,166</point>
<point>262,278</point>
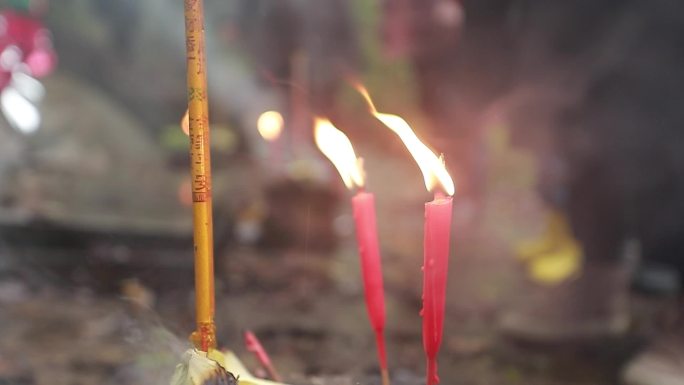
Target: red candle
<point>363,204</point>
<point>437,229</point>
<point>435,269</point>
<point>336,146</point>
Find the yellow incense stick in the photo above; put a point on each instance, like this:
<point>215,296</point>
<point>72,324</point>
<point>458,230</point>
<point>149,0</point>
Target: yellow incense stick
<point>204,337</point>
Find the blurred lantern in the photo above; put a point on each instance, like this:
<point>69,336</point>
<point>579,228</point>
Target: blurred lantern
<point>185,192</point>
<point>19,111</point>
<point>270,125</point>
<point>185,123</point>
<point>26,54</point>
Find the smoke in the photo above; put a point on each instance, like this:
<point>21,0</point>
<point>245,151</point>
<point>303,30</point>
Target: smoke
<point>603,80</point>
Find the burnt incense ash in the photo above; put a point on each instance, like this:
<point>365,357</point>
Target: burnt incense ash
<point>221,377</point>
<point>197,368</point>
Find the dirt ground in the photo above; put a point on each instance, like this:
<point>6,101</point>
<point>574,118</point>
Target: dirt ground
<point>311,319</point>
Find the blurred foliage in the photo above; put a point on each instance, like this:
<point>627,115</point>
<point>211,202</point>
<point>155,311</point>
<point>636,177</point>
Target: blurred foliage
<point>390,82</point>
<point>172,138</point>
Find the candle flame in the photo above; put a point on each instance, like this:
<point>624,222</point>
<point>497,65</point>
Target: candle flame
<point>432,166</point>
<point>270,125</point>
<point>335,145</point>
<point>185,123</point>
<point>364,92</point>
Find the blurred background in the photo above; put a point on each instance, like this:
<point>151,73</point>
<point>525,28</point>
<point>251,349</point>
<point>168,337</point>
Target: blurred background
<point>560,122</point>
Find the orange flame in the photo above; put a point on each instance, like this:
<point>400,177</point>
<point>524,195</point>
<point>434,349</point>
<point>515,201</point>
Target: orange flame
<point>432,166</point>
<point>270,125</point>
<point>335,145</point>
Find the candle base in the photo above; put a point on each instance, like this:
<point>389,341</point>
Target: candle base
<point>432,378</point>
<point>385,377</point>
